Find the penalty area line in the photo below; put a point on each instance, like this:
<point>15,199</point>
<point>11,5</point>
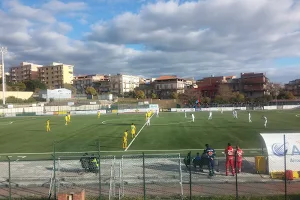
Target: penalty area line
<point>137,134</point>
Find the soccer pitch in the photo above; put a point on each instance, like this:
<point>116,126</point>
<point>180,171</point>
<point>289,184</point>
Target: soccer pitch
<point>169,131</point>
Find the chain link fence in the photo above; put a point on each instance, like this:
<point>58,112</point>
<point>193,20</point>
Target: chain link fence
<point>140,176</point>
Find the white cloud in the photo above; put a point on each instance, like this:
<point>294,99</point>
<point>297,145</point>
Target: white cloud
<point>83,21</point>
<point>59,6</point>
<point>220,37</point>
<point>16,9</point>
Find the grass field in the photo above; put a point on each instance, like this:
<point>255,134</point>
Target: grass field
<point>169,131</point>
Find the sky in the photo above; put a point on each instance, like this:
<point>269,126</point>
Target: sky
<point>150,38</point>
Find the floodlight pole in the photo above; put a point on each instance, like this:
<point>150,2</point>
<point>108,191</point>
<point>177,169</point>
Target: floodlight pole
<point>3,50</point>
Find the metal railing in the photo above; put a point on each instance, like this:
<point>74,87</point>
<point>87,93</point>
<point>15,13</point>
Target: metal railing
<point>136,176</point>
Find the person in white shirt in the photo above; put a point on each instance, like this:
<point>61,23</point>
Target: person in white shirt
<point>235,114</point>
<point>210,115</point>
<point>266,121</point>
<point>222,110</point>
<point>249,117</point>
<point>184,114</point>
<point>193,118</point>
<point>148,121</point>
<point>157,112</point>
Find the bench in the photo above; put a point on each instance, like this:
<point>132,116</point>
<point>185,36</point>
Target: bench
<point>88,165</point>
<point>201,163</point>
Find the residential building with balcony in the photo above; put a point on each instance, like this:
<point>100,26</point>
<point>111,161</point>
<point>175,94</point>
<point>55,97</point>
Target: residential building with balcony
<point>253,85</point>
<point>81,82</point>
<point>25,71</point>
<point>147,88</point>
<point>56,75</point>
<point>209,86</point>
<point>293,87</point>
<point>121,83</point>
<point>190,83</point>
<point>166,85</point>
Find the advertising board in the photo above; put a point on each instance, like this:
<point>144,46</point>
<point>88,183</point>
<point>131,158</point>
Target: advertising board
<point>277,150</point>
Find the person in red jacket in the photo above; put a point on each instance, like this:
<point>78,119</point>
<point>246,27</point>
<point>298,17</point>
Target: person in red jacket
<point>229,152</point>
<point>239,158</point>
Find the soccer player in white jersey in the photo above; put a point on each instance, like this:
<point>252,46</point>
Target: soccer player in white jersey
<point>184,114</point>
<point>193,117</point>
<point>235,114</point>
<point>148,121</point>
<point>210,115</point>
<point>249,114</point>
<point>157,112</point>
<point>222,110</point>
<point>266,121</point>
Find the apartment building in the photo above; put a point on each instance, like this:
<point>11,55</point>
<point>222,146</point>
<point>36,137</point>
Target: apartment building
<point>26,71</point>
<point>120,83</point>
<point>100,82</point>
<point>81,82</point>
<point>209,86</point>
<point>294,87</point>
<point>56,75</point>
<point>253,85</point>
<point>166,85</point>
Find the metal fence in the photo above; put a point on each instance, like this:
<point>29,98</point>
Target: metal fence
<point>137,176</point>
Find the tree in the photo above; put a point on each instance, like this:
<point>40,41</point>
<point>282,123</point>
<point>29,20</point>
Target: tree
<point>174,95</point>
<point>218,99</point>
<point>237,98</point>
<point>153,96</point>
<point>70,87</point>
<point>91,91</point>
<point>7,87</point>
<point>140,94</point>
<point>190,97</point>
<point>290,95</point>
<point>225,92</point>
<point>18,86</point>
<point>205,100</point>
<point>274,89</point>
<point>32,85</point>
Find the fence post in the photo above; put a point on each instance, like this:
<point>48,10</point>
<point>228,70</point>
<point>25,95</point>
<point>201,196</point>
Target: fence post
<point>190,171</point>
<point>236,176</point>
<point>99,170</point>
<point>54,169</point>
<point>144,178</point>
<point>9,177</point>
<point>285,186</point>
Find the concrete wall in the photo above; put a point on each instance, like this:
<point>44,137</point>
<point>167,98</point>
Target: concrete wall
<point>17,94</point>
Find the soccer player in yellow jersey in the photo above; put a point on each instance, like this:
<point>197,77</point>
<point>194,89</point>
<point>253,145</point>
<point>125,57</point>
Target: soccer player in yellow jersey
<point>125,139</point>
<point>149,114</point>
<point>48,125</point>
<point>66,119</point>
<point>146,116</point>
<point>69,117</point>
<point>98,113</point>
<point>126,133</point>
<point>124,142</point>
<point>133,129</point>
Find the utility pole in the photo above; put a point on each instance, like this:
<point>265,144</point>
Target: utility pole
<point>3,50</point>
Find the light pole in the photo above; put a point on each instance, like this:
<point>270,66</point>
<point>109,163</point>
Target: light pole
<point>3,50</point>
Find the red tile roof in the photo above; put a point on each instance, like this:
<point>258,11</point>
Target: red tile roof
<point>166,78</point>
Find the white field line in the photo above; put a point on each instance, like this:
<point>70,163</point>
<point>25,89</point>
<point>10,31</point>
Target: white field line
<point>142,150</point>
<point>6,123</point>
<point>137,134</point>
